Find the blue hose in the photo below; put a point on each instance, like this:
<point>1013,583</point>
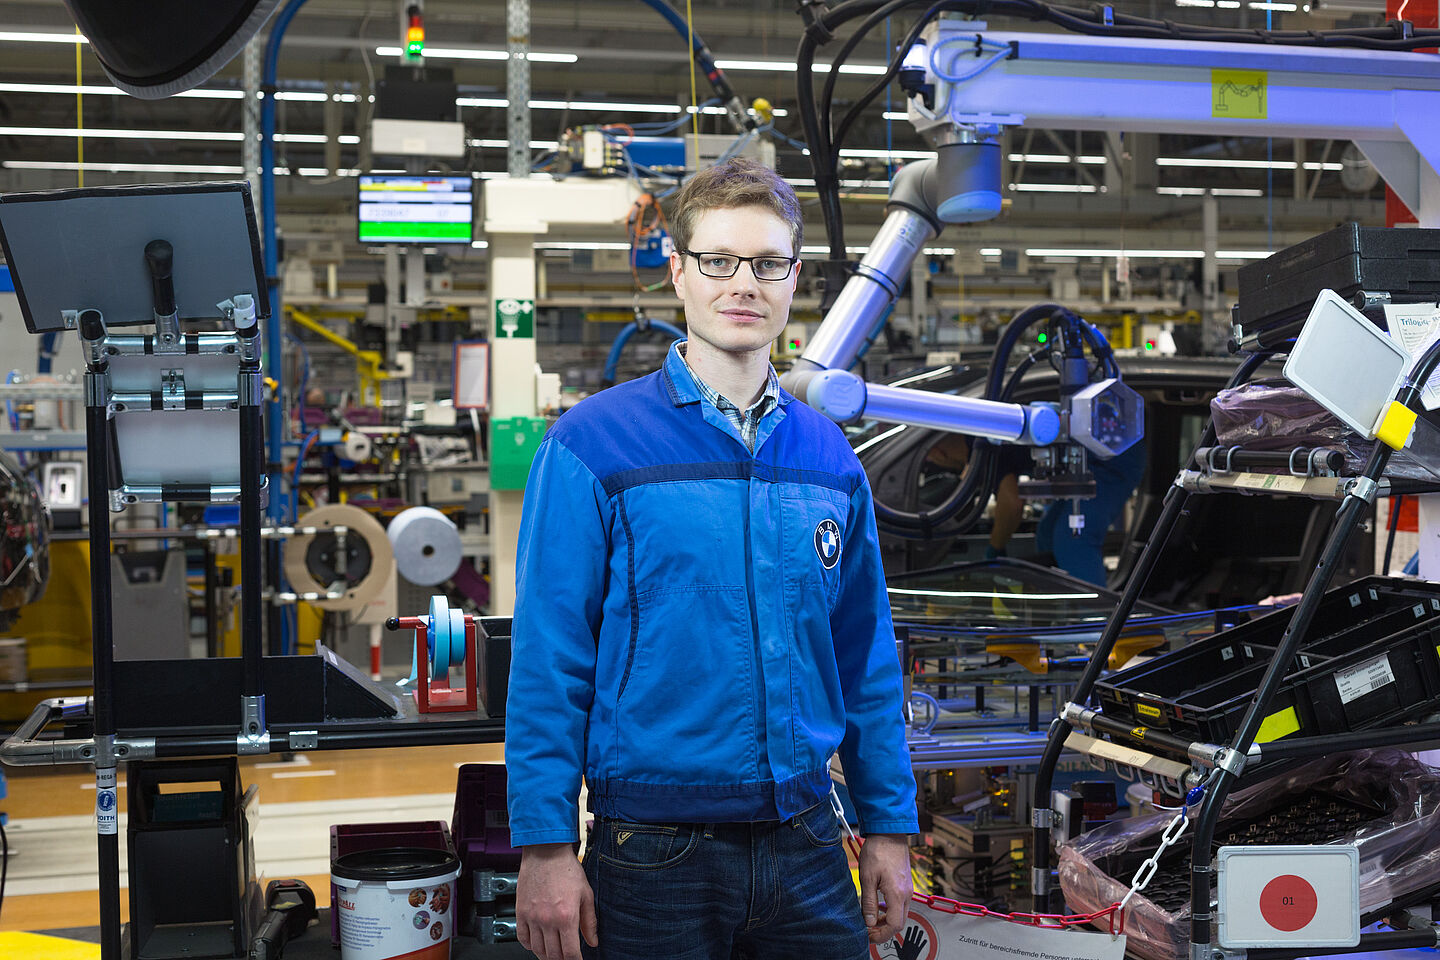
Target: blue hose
<point>702,54</point>
<point>612,362</point>
<point>272,256</point>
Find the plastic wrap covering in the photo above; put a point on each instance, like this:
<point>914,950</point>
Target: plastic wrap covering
<point>1276,415</point>
<point>1385,802</point>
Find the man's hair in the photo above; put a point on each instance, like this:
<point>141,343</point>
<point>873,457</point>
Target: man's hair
<point>739,182</point>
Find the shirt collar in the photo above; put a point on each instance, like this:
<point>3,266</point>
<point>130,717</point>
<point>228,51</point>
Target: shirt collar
<point>684,388</point>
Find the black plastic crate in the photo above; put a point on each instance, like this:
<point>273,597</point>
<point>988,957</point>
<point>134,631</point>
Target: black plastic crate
<point>1349,259</point>
<point>1383,682</point>
<point>1202,691</point>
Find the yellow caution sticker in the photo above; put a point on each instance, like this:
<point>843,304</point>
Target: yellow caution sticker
<point>1238,94</point>
<point>1396,426</point>
<point>1277,725</point>
<point>1146,710</point>
<point>1138,733</point>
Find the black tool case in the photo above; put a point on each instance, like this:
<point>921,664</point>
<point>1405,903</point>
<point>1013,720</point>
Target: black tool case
<point>1371,659</point>
<point>1351,260</point>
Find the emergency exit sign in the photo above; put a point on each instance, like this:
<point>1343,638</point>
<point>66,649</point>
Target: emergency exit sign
<point>1289,896</point>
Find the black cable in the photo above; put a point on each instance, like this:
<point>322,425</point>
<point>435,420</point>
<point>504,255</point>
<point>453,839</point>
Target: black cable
<point>965,504</point>
<point>1395,505</point>
<point>881,82</point>
<point>827,96</point>
<point>4,862</point>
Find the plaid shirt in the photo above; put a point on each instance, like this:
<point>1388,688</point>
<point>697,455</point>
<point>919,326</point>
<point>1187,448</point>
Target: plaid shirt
<point>747,421</point>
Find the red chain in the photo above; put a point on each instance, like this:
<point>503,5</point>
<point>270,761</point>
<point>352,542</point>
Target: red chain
<point>1052,921</point>
<point>1114,919</point>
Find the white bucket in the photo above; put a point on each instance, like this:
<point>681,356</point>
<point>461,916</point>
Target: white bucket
<point>396,903</point>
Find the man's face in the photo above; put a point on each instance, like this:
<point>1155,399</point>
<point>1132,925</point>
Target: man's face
<point>742,314</point>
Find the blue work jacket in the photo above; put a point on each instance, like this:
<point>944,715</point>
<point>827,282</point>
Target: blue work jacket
<point>698,628</point>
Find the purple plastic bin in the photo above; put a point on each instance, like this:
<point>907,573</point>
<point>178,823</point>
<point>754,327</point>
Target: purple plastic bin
<point>481,828</point>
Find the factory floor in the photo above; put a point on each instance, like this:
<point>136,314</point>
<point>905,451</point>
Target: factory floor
<point>52,877</point>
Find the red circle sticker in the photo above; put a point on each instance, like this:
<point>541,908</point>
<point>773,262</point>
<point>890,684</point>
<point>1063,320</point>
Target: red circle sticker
<point>916,942</point>
<point>1288,902</point>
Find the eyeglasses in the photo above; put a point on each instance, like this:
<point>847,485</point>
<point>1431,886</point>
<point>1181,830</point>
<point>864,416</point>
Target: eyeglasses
<point>723,266</point>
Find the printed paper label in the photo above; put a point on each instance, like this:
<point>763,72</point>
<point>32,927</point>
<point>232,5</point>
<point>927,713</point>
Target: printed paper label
<point>1365,678</point>
<point>1415,326</point>
<point>107,813</point>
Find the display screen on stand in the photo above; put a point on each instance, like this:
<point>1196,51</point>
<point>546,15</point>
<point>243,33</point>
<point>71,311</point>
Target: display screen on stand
<point>416,209</point>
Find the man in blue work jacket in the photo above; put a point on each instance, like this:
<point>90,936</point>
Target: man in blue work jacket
<point>701,622</point>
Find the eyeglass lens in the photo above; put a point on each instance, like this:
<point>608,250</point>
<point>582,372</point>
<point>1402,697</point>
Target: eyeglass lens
<point>722,266</point>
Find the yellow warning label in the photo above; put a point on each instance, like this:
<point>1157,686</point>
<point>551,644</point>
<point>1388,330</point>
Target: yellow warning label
<point>1138,733</point>
<point>1145,710</point>
<point>1278,725</point>
<point>1238,94</point>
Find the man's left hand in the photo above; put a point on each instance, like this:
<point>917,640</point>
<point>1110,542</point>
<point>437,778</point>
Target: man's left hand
<point>885,879</point>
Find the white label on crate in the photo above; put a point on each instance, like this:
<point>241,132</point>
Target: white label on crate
<point>930,934</point>
<point>1364,678</point>
<point>107,816</point>
<point>1227,654</point>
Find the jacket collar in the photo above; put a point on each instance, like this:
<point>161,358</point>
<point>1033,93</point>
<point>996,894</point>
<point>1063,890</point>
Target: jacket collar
<point>680,383</point>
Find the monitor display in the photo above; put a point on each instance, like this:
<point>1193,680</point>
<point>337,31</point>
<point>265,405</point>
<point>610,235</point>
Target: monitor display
<point>411,209</point>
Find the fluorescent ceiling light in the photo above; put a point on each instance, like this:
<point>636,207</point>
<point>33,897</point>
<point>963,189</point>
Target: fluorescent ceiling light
<point>1259,5</point>
<point>475,53</point>
<point>1053,187</point>
<point>1054,158</point>
<point>888,154</point>
<point>479,244</point>
<point>1217,191</point>
<point>1194,3</point>
<point>876,184</point>
<point>786,66</point>
<point>96,90</point>
<point>1228,4</point>
<point>121,167</point>
<point>1113,252</point>
<point>1225,162</point>
<point>824,250</point>
<point>100,133</point>
<point>534,144</point>
<point>43,37</point>
<point>597,106</point>
<point>1144,254</point>
<point>582,245</point>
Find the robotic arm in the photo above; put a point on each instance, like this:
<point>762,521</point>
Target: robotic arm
<point>956,186</point>
<point>961,184</point>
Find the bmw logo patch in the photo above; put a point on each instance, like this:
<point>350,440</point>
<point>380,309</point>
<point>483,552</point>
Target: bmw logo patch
<point>827,543</point>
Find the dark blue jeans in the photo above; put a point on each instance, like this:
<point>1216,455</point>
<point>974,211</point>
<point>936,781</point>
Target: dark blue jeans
<point>761,891</point>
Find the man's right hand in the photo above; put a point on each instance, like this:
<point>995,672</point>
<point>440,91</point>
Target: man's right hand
<point>554,903</point>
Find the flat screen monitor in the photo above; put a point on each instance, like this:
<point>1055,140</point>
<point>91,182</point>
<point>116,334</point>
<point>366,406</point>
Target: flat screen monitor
<point>411,209</point>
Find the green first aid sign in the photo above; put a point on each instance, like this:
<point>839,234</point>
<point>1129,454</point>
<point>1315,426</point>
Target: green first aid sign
<point>514,319</point>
